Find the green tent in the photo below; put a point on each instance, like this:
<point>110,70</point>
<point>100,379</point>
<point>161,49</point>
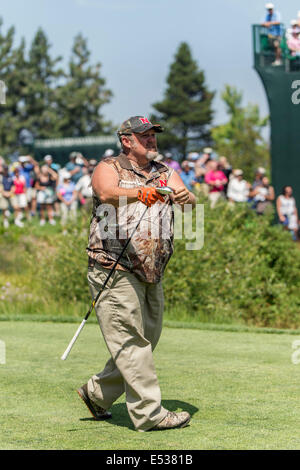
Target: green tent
<point>60,149</point>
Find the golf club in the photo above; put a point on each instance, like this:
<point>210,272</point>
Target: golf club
<point>162,190</point>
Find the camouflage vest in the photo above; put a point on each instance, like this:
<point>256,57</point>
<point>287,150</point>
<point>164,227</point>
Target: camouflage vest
<point>151,245</point>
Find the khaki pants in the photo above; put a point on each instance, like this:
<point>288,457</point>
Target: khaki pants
<point>129,312</point>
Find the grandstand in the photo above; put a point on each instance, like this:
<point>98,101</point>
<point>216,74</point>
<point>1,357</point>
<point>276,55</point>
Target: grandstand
<point>282,86</point>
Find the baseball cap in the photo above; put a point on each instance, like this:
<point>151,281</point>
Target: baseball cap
<point>238,172</point>
<point>269,6</point>
<point>193,156</point>
<point>108,153</point>
<point>261,170</point>
<point>47,158</point>
<point>23,159</point>
<point>66,175</point>
<point>207,150</point>
<point>73,155</point>
<point>138,125</point>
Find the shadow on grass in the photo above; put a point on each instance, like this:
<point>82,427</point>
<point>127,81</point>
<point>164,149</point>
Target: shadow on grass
<point>121,418</point>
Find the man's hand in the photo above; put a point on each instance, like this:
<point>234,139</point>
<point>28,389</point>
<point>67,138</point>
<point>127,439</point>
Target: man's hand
<point>181,196</point>
<point>149,196</point>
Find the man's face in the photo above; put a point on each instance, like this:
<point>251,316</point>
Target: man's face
<point>143,145</point>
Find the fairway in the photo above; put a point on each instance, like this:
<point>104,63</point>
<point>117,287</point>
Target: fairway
<point>241,389</point>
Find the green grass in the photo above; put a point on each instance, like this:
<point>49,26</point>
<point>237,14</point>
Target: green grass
<point>240,387</point>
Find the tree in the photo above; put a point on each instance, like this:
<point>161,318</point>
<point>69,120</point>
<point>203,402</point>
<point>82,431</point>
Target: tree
<point>185,112</point>
<point>11,73</point>
<point>240,139</point>
<point>41,116</point>
<point>82,96</point>
<point>43,100</point>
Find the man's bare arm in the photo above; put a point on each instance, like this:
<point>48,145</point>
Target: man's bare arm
<point>105,182</point>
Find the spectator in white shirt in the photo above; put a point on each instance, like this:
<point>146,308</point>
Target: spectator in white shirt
<point>287,211</point>
<point>238,187</point>
<point>83,186</point>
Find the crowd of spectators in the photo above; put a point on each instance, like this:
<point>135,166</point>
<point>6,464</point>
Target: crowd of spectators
<point>45,189</point>
<point>215,178</point>
<point>273,25</point>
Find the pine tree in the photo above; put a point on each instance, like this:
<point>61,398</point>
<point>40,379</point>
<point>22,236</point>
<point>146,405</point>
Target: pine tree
<point>83,95</point>
<point>41,108</point>
<point>11,63</point>
<point>185,112</point>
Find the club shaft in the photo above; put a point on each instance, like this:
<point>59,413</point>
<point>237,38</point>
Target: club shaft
<point>67,351</point>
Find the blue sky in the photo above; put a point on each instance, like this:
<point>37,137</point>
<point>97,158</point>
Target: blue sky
<point>135,40</point>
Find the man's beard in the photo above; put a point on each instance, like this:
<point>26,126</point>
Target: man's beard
<point>151,155</point>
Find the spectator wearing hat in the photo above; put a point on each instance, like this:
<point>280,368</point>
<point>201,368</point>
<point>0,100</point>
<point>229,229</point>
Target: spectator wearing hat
<point>75,165</point>
<point>187,175</point>
<point>216,181</point>
<point>84,188</point>
<point>289,31</point>
<point>108,153</point>
<point>272,21</point>
<point>293,42</point>
<point>287,211</point>
<point>6,183</point>
<point>238,187</point>
<point>45,186</point>
<point>192,157</point>
<point>92,163</point>
<point>67,194</point>
<point>263,195</point>
<point>171,162</point>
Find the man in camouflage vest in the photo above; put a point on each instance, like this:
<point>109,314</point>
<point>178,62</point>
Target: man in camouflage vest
<point>130,309</point>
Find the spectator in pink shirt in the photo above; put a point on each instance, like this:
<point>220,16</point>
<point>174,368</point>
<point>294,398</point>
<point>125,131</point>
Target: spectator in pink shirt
<point>294,42</point>
<point>216,181</point>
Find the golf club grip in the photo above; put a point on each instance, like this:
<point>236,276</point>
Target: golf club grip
<point>67,351</point>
